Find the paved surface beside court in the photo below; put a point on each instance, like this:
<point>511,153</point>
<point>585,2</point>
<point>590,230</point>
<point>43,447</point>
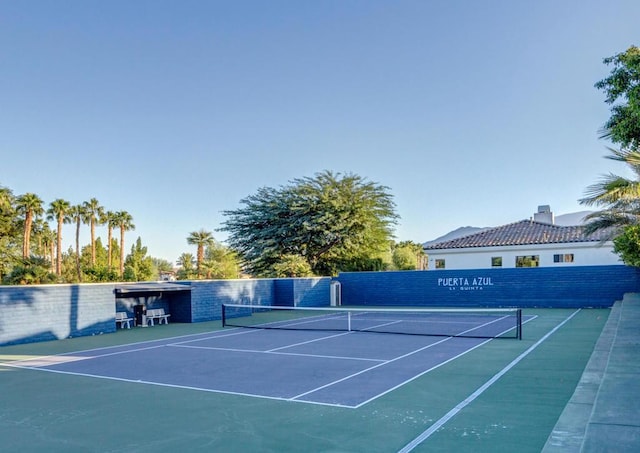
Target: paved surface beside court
<point>604,412</point>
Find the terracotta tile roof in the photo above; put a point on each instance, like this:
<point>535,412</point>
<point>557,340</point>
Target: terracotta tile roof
<point>524,232</point>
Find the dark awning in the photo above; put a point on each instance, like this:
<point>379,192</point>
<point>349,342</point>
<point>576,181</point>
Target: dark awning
<point>150,287</point>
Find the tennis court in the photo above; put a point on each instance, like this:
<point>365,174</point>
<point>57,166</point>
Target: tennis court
<point>200,387</point>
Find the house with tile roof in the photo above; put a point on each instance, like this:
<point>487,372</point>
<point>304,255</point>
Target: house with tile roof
<point>536,242</point>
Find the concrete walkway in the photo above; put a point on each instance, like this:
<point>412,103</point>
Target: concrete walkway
<point>604,413</point>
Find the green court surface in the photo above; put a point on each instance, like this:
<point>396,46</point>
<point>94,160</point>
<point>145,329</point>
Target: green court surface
<point>503,396</point>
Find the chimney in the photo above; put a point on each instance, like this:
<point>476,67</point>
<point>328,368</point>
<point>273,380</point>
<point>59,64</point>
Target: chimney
<point>544,215</point>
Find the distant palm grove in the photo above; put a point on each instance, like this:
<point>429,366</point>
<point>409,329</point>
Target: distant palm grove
<point>31,249</point>
<point>321,226</point>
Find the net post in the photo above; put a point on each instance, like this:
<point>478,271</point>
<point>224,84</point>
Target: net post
<point>224,317</point>
<point>349,321</point>
<point>519,329</point>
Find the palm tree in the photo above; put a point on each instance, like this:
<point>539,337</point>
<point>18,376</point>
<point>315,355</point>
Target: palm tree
<point>77,215</point>
<point>59,210</point>
<point>94,213</point>
<point>185,261</point>
<point>619,197</point>
<point>29,205</point>
<point>109,218</point>
<point>48,238</point>
<point>125,223</point>
<point>202,239</point>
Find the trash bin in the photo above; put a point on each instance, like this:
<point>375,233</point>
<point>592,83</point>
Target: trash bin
<point>139,313</point>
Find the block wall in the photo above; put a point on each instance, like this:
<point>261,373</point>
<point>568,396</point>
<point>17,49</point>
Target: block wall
<point>54,312</point>
<point>580,286</point>
<point>208,296</point>
<point>302,292</point>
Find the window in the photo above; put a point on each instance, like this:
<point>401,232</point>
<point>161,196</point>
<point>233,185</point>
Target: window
<point>528,261</point>
<point>496,261</point>
<point>440,264</point>
<point>566,258</point>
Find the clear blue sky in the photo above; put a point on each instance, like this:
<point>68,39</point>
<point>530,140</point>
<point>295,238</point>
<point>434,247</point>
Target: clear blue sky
<point>471,112</point>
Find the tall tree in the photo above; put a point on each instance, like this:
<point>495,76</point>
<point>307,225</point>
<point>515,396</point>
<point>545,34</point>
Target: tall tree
<point>622,88</point>
<point>201,239</point>
<point>618,196</point>
<point>94,213</point>
<point>109,218</point>
<point>186,262</point>
<point>124,220</point>
<point>333,221</point>
<point>139,266</point>
<point>77,215</point>
<point>220,262</point>
<point>6,210</point>
<point>9,234</point>
<point>49,240</point>
<point>408,255</point>
<point>30,206</point>
<point>59,211</point>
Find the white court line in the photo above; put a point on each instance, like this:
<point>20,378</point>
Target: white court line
<point>453,412</point>
<point>205,336</point>
<point>309,341</point>
<point>398,358</point>
<point>185,387</point>
<point>370,368</point>
<point>436,366</point>
<point>163,341</point>
<point>275,352</point>
<point>38,363</point>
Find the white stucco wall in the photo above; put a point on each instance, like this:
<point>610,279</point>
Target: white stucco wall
<point>585,254</point>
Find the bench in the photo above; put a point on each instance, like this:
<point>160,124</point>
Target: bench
<point>159,314</point>
<point>122,318</point>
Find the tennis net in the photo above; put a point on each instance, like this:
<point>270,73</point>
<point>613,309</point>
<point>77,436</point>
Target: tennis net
<point>450,322</point>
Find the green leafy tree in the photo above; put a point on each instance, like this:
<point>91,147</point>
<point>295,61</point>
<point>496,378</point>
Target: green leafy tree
<point>333,221</point>
<point>139,267</point>
<point>10,236</point>
<point>220,262</point>
<point>622,88</point>
<point>31,271</point>
<point>627,245</point>
<point>59,211</point>
<point>408,255</point>
<point>30,206</point>
<point>99,272</point>
<point>7,212</point>
<point>292,266</point>
<point>94,214</point>
<point>201,239</point>
<point>619,197</point>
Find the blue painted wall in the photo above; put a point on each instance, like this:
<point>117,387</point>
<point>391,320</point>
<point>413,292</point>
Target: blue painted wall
<point>54,312</point>
<point>50,312</point>
<point>570,287</point>
<point>302,292</point>
<point>207,297</point>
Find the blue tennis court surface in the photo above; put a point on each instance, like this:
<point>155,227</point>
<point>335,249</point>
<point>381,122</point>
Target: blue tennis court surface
<point>346,369</point>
